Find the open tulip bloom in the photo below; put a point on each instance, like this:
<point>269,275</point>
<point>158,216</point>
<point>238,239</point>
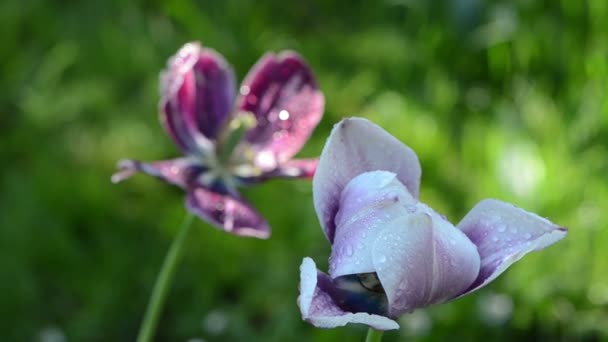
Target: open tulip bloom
<point>392,254</point>
<point>229,140</point>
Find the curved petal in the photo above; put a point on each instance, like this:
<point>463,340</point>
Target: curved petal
<point>369,204</point>
<point>180,171</point>
<point>319,308</point>
<point>355,146</point>
<point>281,91</point>
<point>197,91</point>
<point>228,213</point>
<point>503,234</point>
<point>421,259</point>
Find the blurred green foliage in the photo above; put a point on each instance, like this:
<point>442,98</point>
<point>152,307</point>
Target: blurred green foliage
<point>500,99</point>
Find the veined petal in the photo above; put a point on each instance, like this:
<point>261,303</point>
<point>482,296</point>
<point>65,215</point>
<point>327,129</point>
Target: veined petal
<point>197,92</point>
<point>227,212</point>
<point>503,234</point>
<point>421,259</point>
<point>369,203</point>
<point>320,309</point>
<point>180,171</point>
<point>281,91</point>
<point>356,146</point>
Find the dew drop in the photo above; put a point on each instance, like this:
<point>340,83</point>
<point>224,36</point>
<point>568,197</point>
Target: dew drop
<point>382,259</point>
<point>244,90</point>
<point>495,238</point>
<point>502,228</point>
<point>349,250</point>
<point>527,236</point>
<point>283,115</point>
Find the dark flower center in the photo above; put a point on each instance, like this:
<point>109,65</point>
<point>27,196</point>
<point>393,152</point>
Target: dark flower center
<point>361,292</point>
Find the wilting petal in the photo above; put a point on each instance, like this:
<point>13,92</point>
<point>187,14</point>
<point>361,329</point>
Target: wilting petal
<point>228,213</point>
<point>280,90</point>
<point>197,92</point>
<point>180,171</point>
<point>421,259</point>
<point>356,146</point>
<point>503,234</point>
<point>320,309</point>
<point>370,203</point>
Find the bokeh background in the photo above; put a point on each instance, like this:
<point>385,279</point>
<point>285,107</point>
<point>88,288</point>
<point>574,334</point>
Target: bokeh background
<point>500,99</point>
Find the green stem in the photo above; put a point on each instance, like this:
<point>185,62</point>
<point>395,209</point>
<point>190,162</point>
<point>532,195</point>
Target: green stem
<point>374,335</point>
<point>163,280</point>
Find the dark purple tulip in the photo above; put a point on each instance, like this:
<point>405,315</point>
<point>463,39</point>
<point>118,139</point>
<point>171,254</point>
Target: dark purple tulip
<point>231,141</point>
<point>392,254</point>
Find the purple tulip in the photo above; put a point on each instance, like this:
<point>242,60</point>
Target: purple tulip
<point>229,140</point>
<point>392,254</point>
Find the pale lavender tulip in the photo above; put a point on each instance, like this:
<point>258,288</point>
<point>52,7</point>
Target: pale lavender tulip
<point>392,254</point>
<point>231,141</point>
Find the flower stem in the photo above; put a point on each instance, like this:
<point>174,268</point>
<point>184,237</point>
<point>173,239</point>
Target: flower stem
<point>163,280</point>
<point>374,335</point>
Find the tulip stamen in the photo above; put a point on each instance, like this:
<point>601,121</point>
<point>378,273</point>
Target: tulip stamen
<point>370,282</point>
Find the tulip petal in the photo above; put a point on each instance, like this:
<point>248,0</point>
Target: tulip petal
<point>503,234</point>
<point>355,146</point>
<point>281,91</point>
<point>180,171</point>
<point>369,204</point>
<point>227,212</point>
<point>421,259</point>
<point>197,91</point>
<point>320,309</point>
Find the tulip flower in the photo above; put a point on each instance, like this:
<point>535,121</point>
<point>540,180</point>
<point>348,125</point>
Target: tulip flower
<point>229,141</point>
<point>392,254</point>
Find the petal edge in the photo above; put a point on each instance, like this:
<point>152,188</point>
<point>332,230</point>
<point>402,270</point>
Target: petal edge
<point>503,234</point>
<point>227,213</point>
<point>355,146</point>
<point>318,308</point>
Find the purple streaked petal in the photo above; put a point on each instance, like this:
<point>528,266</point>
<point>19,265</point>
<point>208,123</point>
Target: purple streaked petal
<point>228,213</point>
<point>197,92</point>
<point>422,259</point>
<point>320,309</point>
<point>356,146</point>
<point>370,203</point>
<point>281,91</point>
<point>180,171</point>
<point>503,234</point>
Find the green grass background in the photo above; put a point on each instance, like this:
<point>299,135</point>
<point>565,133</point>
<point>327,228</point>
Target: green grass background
<point>500,99</point>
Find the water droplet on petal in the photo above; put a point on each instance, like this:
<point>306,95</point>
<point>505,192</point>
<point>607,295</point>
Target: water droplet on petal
<point>283,115</point>
<point>349,250</point>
